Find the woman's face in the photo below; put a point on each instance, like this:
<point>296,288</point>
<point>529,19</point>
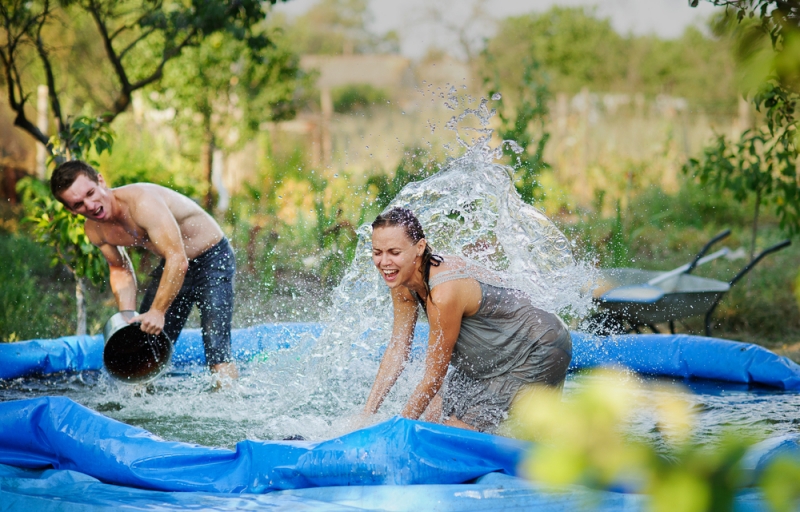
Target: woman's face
<point>394,255</point>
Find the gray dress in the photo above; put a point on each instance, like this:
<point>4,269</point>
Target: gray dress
<point>507,345</point>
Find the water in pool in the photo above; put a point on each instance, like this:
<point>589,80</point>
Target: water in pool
<point>314,388</point>
<point>179,406</point>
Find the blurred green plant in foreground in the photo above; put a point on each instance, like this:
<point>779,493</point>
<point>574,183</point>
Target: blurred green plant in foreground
<point>582,440</point>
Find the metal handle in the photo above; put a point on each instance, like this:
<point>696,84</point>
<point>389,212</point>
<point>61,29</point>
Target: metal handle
<point>745,270</point>
<point>705,249</point>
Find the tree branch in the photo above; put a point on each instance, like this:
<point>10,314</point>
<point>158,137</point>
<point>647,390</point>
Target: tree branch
<point>136,41</point>
<point>55,104</point>
<point>14,82</point>
<point>116,62</point>
<point>129,26</point>
<point>169,54</point>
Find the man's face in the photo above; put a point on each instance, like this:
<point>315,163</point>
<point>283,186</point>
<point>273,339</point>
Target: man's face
<point>87,198</point>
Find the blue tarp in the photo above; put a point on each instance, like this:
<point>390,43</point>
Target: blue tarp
<point>688,357</point>
<point>56,455</point>
<point>59,433</point>
<point>681,356</point>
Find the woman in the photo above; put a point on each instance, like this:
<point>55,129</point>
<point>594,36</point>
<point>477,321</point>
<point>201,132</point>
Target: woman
<point>496,341</point>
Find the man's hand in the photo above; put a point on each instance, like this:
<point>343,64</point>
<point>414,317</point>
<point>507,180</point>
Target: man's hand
<point>152,321</point>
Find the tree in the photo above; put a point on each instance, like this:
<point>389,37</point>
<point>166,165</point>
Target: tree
<point>573,46</point>
<point>577,49</point>
<point>139,38</point>
<point>764,160</point>
<point>335,27</point>
<point>55,226</point>
<point>223,89</point>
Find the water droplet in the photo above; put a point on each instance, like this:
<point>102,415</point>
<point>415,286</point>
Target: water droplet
<point>497,96</point>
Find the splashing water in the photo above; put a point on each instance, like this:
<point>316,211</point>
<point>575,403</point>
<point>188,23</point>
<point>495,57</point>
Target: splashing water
<point>469,208</point>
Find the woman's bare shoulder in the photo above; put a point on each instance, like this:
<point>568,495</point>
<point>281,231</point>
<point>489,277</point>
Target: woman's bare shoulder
<point>450,263</point>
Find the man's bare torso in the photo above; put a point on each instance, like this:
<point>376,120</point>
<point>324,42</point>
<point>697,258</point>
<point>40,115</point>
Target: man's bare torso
<point>199,231</point>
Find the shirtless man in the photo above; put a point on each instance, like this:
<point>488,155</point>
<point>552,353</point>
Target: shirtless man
<point>197,263</point>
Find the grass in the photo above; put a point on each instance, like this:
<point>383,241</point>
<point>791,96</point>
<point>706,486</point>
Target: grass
<point>37,300</point>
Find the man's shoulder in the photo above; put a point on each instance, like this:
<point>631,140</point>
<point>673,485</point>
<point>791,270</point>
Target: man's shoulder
<point>147,195</point>
<point>140,188</point>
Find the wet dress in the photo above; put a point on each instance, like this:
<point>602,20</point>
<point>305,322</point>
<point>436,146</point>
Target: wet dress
<point>506,345</point>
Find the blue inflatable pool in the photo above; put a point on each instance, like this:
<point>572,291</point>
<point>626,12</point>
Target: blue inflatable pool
<point>56,454</point>
<point>681,356</point>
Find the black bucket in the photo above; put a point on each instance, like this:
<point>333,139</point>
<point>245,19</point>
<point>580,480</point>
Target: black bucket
<point>133,356</point>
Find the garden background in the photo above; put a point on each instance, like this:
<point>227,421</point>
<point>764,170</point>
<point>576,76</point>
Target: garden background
<point>293,132</point>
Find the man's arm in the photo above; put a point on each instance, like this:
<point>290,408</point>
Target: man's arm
<point>154,216</point>
<point>121,276</point>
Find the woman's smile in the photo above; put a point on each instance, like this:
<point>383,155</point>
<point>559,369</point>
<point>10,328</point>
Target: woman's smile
<point>394,255</point>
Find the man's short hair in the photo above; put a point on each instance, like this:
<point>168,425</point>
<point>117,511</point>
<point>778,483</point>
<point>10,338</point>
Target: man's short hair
<point>66,174</point>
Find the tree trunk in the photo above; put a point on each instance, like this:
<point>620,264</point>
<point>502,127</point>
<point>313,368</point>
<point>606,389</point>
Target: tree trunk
<point>206,158</point>
<point>755,224</point>
<point>80,300</point>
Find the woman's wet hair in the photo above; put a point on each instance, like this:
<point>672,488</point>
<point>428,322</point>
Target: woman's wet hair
<point>406,219</point>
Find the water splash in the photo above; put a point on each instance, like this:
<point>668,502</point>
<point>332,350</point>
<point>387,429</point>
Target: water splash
<point>469,208</point>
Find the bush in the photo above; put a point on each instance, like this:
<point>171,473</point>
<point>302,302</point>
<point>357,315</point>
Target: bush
<point>357,97</point>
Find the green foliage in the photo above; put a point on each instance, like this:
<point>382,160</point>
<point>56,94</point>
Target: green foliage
<point>336,237</point>
<point>661,231</point>
<point>524,135</point>
<point>26,312</point>
<point>416,165</point>
<point>334,27</point>
<point>232,88</point>
<point>583,440</point>
<point>765,21</point>
<point>779,483</point>
<point>224,89</point>
<point>79,137</point>
<point>758,164</point>
<point>138,38</point>
<point>576,49</point>
<point>764,160</point>
<point>357,97</point>
<point>54,226</point>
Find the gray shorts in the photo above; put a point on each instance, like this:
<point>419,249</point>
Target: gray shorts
<point>484,403</point>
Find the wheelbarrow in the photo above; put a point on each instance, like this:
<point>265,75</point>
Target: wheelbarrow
<point>634,299</point>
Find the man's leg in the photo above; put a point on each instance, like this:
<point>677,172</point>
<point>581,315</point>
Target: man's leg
<point>215,300</point>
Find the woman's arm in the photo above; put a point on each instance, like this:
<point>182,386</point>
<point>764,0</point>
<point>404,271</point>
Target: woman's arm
<point>396,355</point>
<point>446,306</point>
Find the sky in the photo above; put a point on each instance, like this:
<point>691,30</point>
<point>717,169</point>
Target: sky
<point>419,30</point>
